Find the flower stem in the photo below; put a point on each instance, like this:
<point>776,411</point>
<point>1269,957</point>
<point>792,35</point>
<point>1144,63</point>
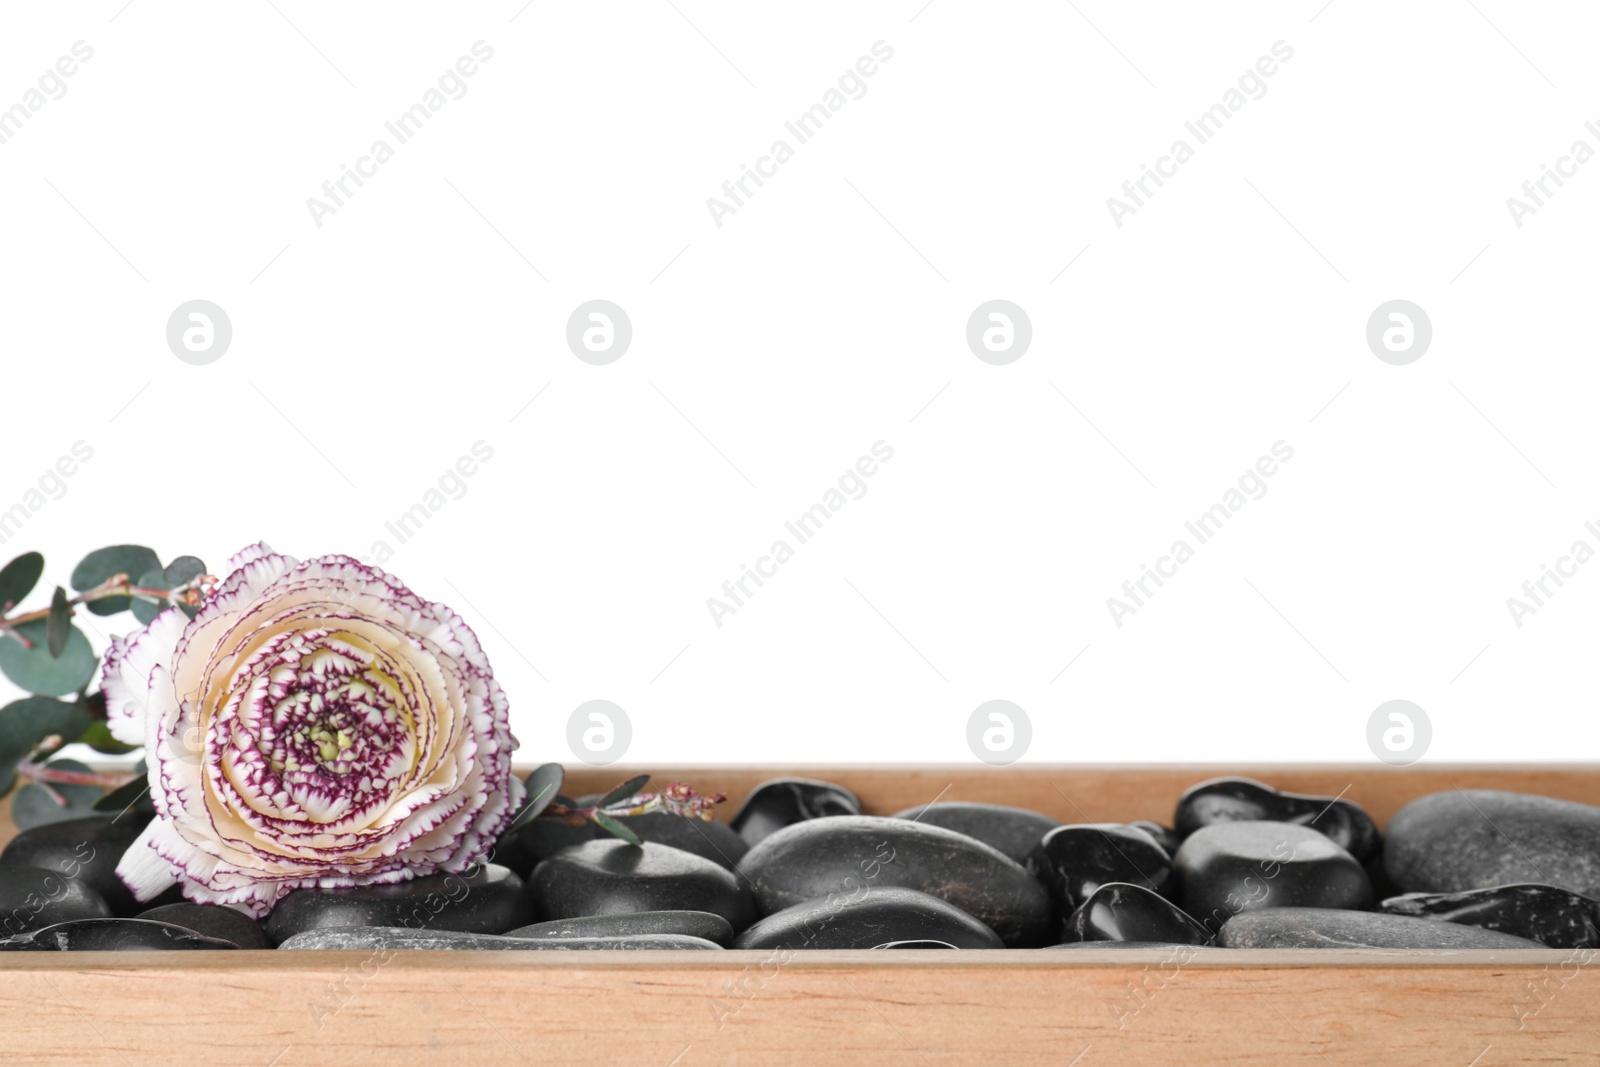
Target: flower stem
<point>190,592</point>
<point>45,775</point>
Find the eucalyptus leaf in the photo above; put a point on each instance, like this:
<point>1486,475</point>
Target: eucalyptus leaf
<point>37,671</point>
<point>34,805</point>
<point>18,578</point>
<point>134,795</point>
<point>26,722</point>
<point>543,785</point>
<point>98,737</point>
<point>183,569</point>
<point>615,828</point>
<point>103,563</point>
<point>622,792</point>
<point>145,611</point>
<point>180,571</point>
<point>58,624</point>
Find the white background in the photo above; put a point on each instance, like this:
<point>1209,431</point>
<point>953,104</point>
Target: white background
<point>827,314</point>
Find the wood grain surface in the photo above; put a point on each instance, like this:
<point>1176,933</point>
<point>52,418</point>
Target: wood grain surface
<point>1088,1007</point>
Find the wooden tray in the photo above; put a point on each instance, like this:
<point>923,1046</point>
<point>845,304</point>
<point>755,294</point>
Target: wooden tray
<point>924,1008</point>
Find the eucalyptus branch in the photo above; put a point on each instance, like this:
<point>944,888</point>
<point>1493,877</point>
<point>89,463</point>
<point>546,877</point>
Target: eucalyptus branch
<point>675,799</point>
<point>190,593</point>
<point>44,774</point>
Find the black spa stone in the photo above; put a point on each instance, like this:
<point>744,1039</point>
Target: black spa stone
<point>87,849</point>
<point>1343,822</point>
<point>1555,917</point>
<point>1335,928</point>
<point>212,920</point>
<point>1073,861</point>
<point>715,841</point>
<point>1480,838</point>
<point>631,943</point>
<point>113,935</point>
<point>1232,867</point>
<point>1175,950</point>
<point>1121,912</point>
<point>876,918</point>
<point>613,877</point>
<point>32,898</point>
<point>919,944</point>
<point>781,802</point>
<point>1013,831</point>
<point>700,924</point>
<point>489,900</point>
<point>522,850</point>
<point>1164,836</point>
<point>845,854</point>
<point>391,939</point>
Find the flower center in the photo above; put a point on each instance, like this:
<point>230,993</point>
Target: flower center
<point>329,720</point>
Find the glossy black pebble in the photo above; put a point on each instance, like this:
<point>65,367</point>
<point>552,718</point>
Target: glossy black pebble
<point>212,920</point>
<point>1073,861</point>
<point>1012,831</point>
<point>1232,867</point>
<point>1543,913</point>
<point>380,938</point>
<point>876,917</point>
<point>715,841</point>
<point>1176,949</point>
<point>1343,822</point>
<point>611,877</point>
<point>523,850</point>
<point>700,924</point>
<point>1480,838</point>
<point>1120,912</point>
<point>489,901</point>
<point>1164,836</point>
<point>1334,928</point>
<point>113,935</point>
<point>781,802</point>
<point>87,849</point>
<point>843,855</point>
<point>1128,912</point>
<point>32,898</point>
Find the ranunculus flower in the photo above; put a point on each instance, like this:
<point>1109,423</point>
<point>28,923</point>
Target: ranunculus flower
<point>315,724</point>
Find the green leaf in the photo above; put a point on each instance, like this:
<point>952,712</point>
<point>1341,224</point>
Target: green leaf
<point>26,722</point>
<point>134,795</point>
<point>615,828</point>
<point>18,578</point>
<point>95,704</point>
<point>103,563</point>
<point>146,610</point>
<point>37,671</point>
<point>624,791</point>
<point>543,787</point>
<point>98,737</point>
<point>34,805</point>
<point>58,624</point>
<point>181,570</point>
